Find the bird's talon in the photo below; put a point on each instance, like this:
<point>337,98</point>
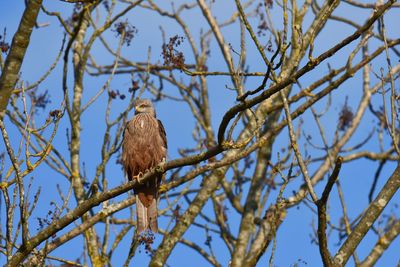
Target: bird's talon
<point>159,169</point>
<point>139,177</point>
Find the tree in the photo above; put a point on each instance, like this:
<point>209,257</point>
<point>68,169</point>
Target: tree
<point>277,113</point>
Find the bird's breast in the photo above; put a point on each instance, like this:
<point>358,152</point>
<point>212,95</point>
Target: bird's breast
<point>143,124</point>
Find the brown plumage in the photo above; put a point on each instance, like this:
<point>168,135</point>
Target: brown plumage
<point>144,146</point>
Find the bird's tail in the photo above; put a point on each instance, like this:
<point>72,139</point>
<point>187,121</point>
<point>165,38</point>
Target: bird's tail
<point>146,216</point>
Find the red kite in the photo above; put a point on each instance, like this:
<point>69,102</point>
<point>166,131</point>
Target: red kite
<point>144,146</point>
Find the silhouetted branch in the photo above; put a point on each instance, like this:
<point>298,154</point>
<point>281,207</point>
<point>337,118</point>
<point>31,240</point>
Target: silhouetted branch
<point>322,221</point>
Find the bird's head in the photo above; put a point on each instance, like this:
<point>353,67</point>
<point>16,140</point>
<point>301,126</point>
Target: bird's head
<point>144,106</point>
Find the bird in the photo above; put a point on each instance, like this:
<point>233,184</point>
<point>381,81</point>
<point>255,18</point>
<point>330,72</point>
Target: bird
<point>144,146</point>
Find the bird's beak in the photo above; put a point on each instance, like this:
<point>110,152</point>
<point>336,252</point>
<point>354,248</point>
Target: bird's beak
<point>138,109</point>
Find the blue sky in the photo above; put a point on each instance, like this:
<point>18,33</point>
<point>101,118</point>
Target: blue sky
<point>294,242</point>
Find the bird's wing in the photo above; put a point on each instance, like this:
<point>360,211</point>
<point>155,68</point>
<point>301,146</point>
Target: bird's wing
<point>163,134</point>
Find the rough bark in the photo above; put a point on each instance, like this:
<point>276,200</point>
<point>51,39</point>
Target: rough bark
<point>19,45</point>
